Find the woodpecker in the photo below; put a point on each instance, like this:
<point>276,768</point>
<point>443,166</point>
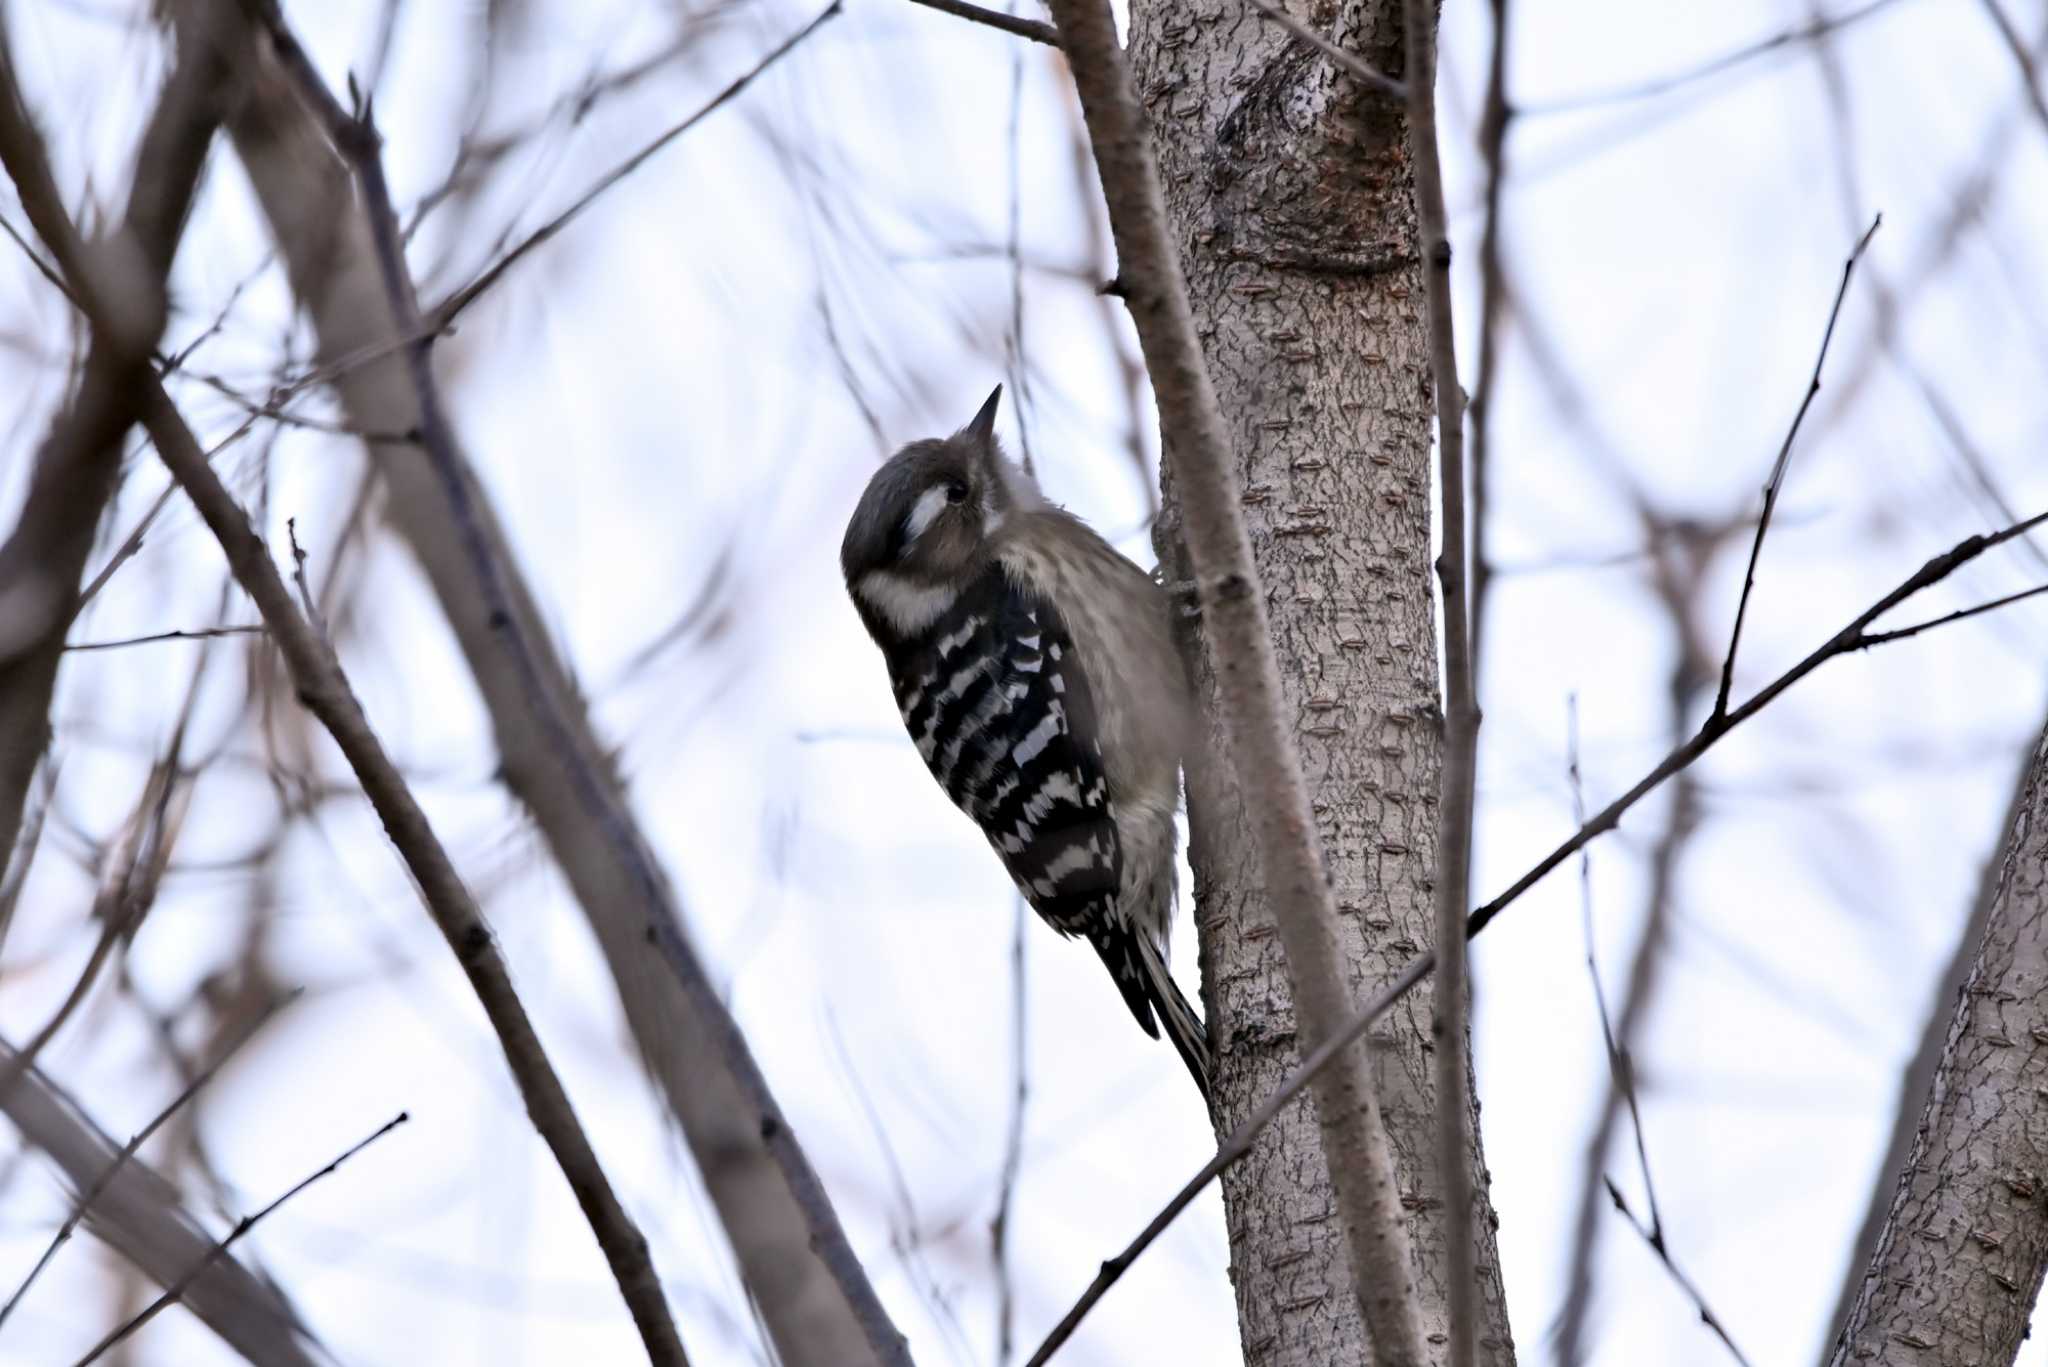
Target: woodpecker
<point>1036,672</point>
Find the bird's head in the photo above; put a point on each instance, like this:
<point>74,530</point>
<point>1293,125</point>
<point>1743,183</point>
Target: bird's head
<point>928,516</point>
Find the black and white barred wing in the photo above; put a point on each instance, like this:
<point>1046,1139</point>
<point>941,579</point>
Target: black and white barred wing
<point>998,706</point>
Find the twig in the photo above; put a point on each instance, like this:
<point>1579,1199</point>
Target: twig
<point>1016,370</point>
<point>2022,58</point>
<point>357,139</point>
<point>119,908</point>
<point>1878,638</point>
<point>1811,31</point>
<point>1656,1242</point>
<point>141,1216</point>
<point>1679,583</point>
<point>1621,1068</point>
<point>1493,135</point>
<point>201,634</point>
<point>1422,965</point>
<point>1234,620</point>
<point>1036,30</point>
<point>1778,467</point>
<point>446,312</point>
<point>1360,70</point>
<point>1461,704</point>
<point>311,608</point>
<point>1013,1149</point>
<point>113,1169</point>
<point>219,1250</point>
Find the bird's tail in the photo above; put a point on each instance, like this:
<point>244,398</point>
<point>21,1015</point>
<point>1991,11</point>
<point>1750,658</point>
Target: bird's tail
<point>1190,1037</point>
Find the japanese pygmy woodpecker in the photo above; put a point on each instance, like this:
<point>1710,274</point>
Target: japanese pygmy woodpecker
<point>1036,671</point>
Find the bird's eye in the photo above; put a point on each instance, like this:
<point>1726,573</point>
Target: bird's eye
<point>956,491</point>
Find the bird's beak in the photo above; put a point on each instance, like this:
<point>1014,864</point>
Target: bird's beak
<point>982,425</point>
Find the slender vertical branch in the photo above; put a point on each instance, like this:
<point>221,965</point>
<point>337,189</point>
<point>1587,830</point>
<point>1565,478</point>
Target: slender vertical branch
<point>1461,705</point>
<point>1778,467</point>
<point>1493,136</point>
<point>1234,618</point>
<point>1013,1148</point>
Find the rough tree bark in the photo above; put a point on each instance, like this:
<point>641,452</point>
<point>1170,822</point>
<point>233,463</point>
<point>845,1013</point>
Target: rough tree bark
<point>1958,1267</point>
<point>1288,185</point>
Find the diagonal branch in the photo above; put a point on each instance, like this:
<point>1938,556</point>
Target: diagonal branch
<point>78,464</point>
<point>444,313</point>
<point>1268,772</point>
<point>1036,30</point>
<point>1846,641</point>
<point>349,274</point>
<point>137,1212</point>
<point>91,1193</point>
<point>213,1255</point>
<point>326,693</point>
<point>1360,70</point>
<point>1778,467</point>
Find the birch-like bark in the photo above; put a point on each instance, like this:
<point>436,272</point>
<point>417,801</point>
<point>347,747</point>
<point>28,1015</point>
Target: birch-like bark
<point>1959,1264</point>
<point>812,1296</point>
<point>1287,187</point>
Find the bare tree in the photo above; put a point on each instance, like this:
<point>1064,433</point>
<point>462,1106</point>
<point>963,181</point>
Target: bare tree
<point>1306,278</point>
<point>524,356</point>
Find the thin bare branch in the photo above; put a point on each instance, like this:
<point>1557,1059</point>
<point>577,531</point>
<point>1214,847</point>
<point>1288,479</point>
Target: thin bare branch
<point>2030,76</point>
<point>1013,1148</point>
<point>1360,70</point>
<point>1878,638</point>
<point>1655,1239</point>
<point>446,312</point>
<point>1453,879</point>
<point>83,1205</point>
<point>1814,30</point>
<point>1778,467</point>
<point>1493,136</point>
<point>139,1215</point>
<point>1036,30</point>
<point>201,634</point>
<point>218,1251</point>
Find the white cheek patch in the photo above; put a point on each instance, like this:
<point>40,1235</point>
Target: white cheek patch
<point>924,512</point>
<point>908,607</point>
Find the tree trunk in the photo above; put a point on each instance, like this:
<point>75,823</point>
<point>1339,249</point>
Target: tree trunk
<point>1958,1266</point>
<point>1287,184</point>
